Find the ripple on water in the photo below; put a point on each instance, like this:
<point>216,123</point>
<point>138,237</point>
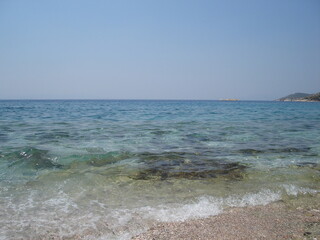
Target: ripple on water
<point>32,158</point>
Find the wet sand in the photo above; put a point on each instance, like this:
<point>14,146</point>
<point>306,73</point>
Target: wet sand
<point>280,220</point>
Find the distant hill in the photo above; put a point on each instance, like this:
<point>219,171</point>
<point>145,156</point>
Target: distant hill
<point>313,97</point>
<point>294,96</point>
<point>301,97</point>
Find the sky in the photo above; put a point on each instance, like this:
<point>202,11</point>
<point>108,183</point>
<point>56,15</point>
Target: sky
<point>164,49</point>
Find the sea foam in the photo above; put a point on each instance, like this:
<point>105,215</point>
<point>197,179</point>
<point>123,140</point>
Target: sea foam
<point>61,217</point>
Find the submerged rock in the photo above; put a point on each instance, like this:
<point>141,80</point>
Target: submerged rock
<point>273,150</point>
<point>290,149</point>
<point>309,165</point>
<point>148,174</point>
<point>174,165</point>
<point>250,151</point>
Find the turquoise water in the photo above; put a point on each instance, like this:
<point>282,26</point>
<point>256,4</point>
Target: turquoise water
<point>109,169</point>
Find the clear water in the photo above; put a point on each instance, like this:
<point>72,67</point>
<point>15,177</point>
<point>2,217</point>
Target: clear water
<point>109,169</point>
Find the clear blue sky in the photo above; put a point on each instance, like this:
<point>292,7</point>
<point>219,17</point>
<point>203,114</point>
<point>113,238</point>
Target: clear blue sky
<point>164,49</point>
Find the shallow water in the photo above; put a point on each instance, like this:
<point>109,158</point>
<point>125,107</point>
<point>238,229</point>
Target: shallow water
<point>108,169</point>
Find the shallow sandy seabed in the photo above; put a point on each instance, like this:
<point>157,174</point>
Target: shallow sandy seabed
<point>279,220</point>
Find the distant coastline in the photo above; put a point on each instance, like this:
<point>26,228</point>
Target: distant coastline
<point>230,99</point>
<point>301,97</point>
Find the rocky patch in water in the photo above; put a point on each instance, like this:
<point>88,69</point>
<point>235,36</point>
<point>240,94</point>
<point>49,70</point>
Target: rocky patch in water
<point>311,165</point>
<point>173,165</point>
<point>250,151</point>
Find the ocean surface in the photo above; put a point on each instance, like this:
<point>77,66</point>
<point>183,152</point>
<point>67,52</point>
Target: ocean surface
<point>108,169</point>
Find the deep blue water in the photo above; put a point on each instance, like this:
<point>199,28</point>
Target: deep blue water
<point>117,165</point>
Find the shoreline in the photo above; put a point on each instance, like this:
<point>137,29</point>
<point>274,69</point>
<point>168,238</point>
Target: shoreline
<point>295,219</point>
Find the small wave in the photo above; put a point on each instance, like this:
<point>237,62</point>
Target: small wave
<point>203,207</point>
<point>32,158</point>
<point>206,206</point>
<point>295,190</point>
<point>61,216</point>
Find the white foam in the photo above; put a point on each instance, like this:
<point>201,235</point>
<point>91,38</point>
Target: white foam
<point>61,202</point>
<point>263,197</point>
<point>62,217</point>
<point>295,190</point>
<point>206,206</point>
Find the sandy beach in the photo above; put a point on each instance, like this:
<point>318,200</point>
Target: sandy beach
<point>279,220</point>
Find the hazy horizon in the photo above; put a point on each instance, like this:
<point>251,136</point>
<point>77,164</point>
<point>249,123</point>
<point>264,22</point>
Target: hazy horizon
<point>175,50</point>
<point>140,99</point>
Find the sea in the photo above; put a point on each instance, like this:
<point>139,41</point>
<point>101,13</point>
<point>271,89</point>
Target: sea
<point>110,169</point>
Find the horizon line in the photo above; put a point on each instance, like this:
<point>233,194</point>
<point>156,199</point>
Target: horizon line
<point>123,99</point>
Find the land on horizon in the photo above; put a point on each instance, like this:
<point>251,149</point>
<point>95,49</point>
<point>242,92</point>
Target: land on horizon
<point>301,97</point>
